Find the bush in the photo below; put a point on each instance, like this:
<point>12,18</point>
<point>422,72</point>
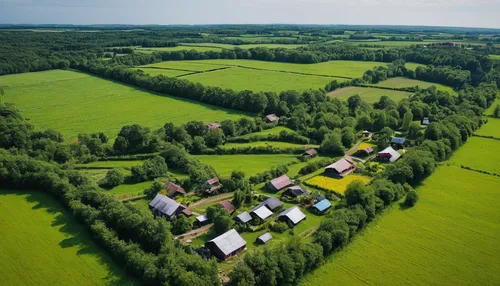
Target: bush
<point>279,227</point>
<point>411,198</point>
<point>113,178</point>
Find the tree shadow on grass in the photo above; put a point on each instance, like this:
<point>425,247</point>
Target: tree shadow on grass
<point>76,235</point>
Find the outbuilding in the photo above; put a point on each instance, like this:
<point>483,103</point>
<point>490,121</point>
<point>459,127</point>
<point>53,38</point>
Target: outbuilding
<point>265,238</point>
<point>310,153</point>
<point>271,118</point>
<point>272,203</point>
<point>292,216</point>
<point>296,191</point>
<point>341,168</point>
<point>398,142</point>
<point>202,220</point>
<point>322,206</point>
<point>226,245</point>
<point>164,206</point>
<point>173,190</point>
<point>228,207</point>
<point>279,183</point>
<point>212,186</point>
<point>389,155</point>
<point>261,213</point>
<point>243,217</point>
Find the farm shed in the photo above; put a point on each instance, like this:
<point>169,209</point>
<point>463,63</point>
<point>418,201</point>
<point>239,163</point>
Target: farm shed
<point>425,121</point>
<point>228,207</point>
<point>202,220</point>
<point>310,153</point>
<point>368,150</point>
<point>173,190</point>
<point>292,216</point>
<point>261,213</point>
<point>265,238</point>
<point>243,217</point>
<point>226,245</point>
<point>295,191</point>
<point>211,126</point>
<point>322,206</point>
<point>366,133</point>
<point>164,206</point>
<point>341,168</point>
<point>271,203</point>
<point>388,154</point>
<point>279,183</point>
<point>212,186</point>
<point>398,142</point>
<point>271,118</point>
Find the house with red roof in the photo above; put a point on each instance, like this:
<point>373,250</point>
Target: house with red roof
<point>341,168</point>
<point>279,183</point>
<point>173,190</point>
<point>212,186</point>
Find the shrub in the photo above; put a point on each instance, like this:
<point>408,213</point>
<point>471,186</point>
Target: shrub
<point>113,178</point>
<point>411,198</point>
<point>279,227</point>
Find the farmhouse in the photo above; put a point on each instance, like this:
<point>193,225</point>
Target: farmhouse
<point>295,191</point>
<point>243,217</point>
<point>261,213</point>
<point>271,203</point>
<point>226,245</point>
<point>388,154</point>
<point>211,126</point>
<point>310,153</point>
<point>279,183</point>
<point>212,186</point>
<point>173,190</point>
<point>398,142</point>
<point>228,207</point>
<point>265,238</point>
<point>292,216</point>
<point>271,118</point>
<point>164,206</point>
<point>322,206</point>
<point>341,168</point>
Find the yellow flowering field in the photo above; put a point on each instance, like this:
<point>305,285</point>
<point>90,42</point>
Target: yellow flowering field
<point>336,185</point>
<point>365,145</point>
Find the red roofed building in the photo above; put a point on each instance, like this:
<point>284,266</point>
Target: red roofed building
<point>341,168</point>
<point>187,212</point>
<point>212,186</point>
<point>279,183</point>
<point>228,206</point>
<point>310,153</point>
<point>211,126</point>
<point>173,190</point>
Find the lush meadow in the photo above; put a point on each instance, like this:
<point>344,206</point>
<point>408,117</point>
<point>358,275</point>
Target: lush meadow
<point>274,144</point>
<point>43,245</point>
<point>451,237</point>
<point>479,154</point>
<point>401,82</point>
<point>74,103</point>
<point>492,128</point>
<point>370,95</point>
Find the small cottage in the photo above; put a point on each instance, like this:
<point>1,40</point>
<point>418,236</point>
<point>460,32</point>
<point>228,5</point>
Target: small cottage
<point>272,203</point>
<point>164,206</point>
<point>321,206</point>
<point>292,216</point>
<point>243,217</point>
<point>271,118</point>
<point>228,207</point>
<point>295,191</point>
<point>341,168</point>
<point>311,153</point>
<point>262,213</point>
<point>279,183</point>
<point>388,155</point>
<point>202,220</point>
<point>226,245</point>
<point>173,190</point>
<point>263,239</point>
<point>398,142</point>
<point>211,126</point>
<point>212,186</point>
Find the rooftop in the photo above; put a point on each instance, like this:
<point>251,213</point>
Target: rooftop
<point>164,205</point>
<point>294,214</point>
<point>262,212</point>
<point>265,237</point>
<point>341,165</point>
<point>281,182</point>
<point>322,205</point>
<point>244,217</point>
<point>229,241</point>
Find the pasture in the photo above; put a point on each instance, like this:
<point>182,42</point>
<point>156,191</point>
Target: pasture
<point>273,131</point>
<point>370,95</point>
<point>165,72</point>
<point>490,110</point>
<point>73,103</point>
<point>274,144</point>
<point>451,237</point>
<point>338,186</point>
<point>249,164</point>
<point>479,154</point>
<point>401,82</point>
<point>43,245</point>
<point>492,128</point>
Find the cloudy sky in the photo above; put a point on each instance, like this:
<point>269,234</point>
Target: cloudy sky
<point>464,13</point>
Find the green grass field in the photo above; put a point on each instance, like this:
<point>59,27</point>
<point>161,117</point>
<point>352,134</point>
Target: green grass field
<point>257,80</point>
<point>110,164</point>
<point>479,154</point>
<point>495,57</point>
<point>274,144</point>
<point>370,95</point>
<point>490,110</point>
<point>74,103</point>
<point>250,164</point>
<point>273,131</point>
<point>193,66</point>
<point>492,128</point>
<point>401,82</point>
<point>165,72</point>
<point>43,245</point>
<point>451,237</point>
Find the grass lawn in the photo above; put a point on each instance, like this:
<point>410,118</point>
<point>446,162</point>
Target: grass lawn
<point>178,48</point>
<point>337,185</point>
<point>73,103</point>
<point>273,131</point>
<point>237,78</point>
<point>480,154</point>
<point>274,144</point>
<point>490,110</point>
<point>110,164</point>
<point>492,128</point>
<point>250,164</point>
<point>165,72</point>
<point>370,95</point>
<point>495,57</point>
<point>451,237</point>
<point>401,82</point>
<point>194,66</point>
<point>43,245</point>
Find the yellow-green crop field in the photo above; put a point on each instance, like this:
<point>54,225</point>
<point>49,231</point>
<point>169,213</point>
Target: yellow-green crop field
<point>492,128</point>
<point>249,164</point>
<point>479,154</point>
<point>336,185</point>
<point>370,95</point>
<point>401,82</point>
<point>43,245</point>
<point>365,145</point>
<point>451,237</point>
<point>73,103</point>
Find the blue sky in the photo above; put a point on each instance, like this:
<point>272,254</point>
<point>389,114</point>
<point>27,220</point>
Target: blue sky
<point>465,13</point>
